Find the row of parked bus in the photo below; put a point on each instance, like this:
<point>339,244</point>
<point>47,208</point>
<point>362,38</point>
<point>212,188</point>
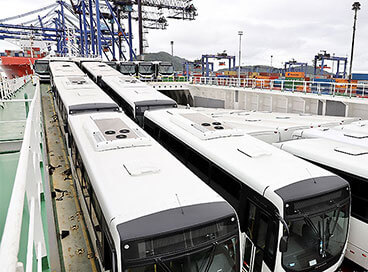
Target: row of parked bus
<point>175,189</point>
<point>143,70</point>
<point>338,144</point>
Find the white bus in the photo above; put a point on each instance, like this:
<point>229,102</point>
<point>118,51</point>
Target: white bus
<point>144,210</point>
<point>348,136</point>
<point>273,127</point>
<point>79,94</point>
<point>63,69</point>
<point>128,68</point>
<point>42,69</point>
<point>131,94</point>
<point>98,69</point>
<point>294,215</point>
<point>359,127</point>
<point>146,70</point>
<point>349,162</point>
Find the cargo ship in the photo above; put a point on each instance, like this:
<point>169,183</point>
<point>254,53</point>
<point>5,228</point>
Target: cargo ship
<point>17,63</point>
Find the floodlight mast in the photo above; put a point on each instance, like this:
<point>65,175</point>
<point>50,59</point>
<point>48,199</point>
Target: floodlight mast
<point>356,7</point>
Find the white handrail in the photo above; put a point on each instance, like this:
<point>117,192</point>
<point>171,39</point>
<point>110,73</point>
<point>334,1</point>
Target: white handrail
<point>9,86</point>
<point>325,88</point>
<point>25,184</point>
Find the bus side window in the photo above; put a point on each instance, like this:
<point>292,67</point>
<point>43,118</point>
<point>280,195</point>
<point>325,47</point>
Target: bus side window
<point>164,137</point>
<point>151,128</point>
<point>177,148</point>
<point>271,244</point>
<point>86,185</point>
<point>359,187</point>
<point>227,184</point>
<point>199,165</point>
<point>251,220</point>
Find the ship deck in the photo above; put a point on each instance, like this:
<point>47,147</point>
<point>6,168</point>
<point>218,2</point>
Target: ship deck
<point>66,237</point>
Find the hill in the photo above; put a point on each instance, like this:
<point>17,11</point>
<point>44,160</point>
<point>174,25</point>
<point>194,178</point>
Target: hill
<point>164,56</point>
<point>178,64</point>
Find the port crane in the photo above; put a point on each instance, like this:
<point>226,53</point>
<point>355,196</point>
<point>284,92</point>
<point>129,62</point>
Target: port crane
<point>323,57</point>
<point>295,66</point>
<point>220,56</point>
<point>95,27</point>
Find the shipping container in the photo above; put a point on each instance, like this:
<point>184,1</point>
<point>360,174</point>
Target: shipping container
<point>359,76</point>
<point>295,74</point>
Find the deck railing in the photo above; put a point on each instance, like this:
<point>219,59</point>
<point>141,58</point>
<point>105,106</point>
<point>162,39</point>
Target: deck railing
<point>315,87</point>
<point>8,87</point>
<point>27,187</point>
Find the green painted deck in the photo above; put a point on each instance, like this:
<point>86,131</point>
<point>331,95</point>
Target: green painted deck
<point>15,112</point>
<point>8,167</point>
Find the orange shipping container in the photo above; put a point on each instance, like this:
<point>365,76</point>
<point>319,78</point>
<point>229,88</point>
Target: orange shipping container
<point>295,74</point>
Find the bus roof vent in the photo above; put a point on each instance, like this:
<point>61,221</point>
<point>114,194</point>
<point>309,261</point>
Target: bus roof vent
<point>77,82</point>
<point>252,120</point>
<point>139,168</point>
<point>114,133</point>
<point>203,126</point>
<point>356,135</point>
<point>127,80</point>
<point>352,150</point>
<point>253,151</point>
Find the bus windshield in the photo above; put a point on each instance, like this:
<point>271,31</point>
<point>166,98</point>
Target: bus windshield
<point>127,69</point>
<point>218,257</point>
<point>166,69</point>
<point>146,69</point>
<point>316,238</point>
<point>208,248</point>
<point>41,67</point>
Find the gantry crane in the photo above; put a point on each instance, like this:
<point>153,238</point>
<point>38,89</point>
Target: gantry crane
<point>95,27</point>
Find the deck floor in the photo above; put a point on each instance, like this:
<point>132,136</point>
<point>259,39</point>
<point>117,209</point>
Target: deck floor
<point>16,113</point>
<point>76,249</point>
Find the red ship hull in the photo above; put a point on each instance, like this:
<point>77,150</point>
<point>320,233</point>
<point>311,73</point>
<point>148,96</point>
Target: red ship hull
<point>17,66</point>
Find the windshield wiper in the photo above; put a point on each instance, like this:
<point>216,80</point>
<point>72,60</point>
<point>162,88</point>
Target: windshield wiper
<point>212,255</point>
<point>163,265</point>
<point>310,224</point>
<point>328,223</point>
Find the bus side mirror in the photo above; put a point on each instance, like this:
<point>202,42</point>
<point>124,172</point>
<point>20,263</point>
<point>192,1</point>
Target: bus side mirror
<point>283,243</point>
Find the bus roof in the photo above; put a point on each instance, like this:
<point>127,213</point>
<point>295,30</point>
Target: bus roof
<point>346,157</point>
<point>100,69</point>
<point>348,136</point>
<point>80,93</point>
<point>135,92</point>
<point>64,68</point>
<point>258,164</point>
<point>127,176</point>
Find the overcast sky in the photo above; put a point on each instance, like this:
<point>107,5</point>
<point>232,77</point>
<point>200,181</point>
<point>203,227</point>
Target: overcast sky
<point>285,29</point>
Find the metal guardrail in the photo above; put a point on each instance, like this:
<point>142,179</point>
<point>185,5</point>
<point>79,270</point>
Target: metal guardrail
<point>8,87</point>
<point>27,186</point>
<point>321,88</point>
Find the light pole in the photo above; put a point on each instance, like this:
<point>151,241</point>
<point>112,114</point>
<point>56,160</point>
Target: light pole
<point>271,63</point>
<point>356,7</point>
<point>172,48</point>
<point>240,33</point>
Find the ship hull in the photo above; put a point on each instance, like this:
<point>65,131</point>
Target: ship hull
<point>17,66</point>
